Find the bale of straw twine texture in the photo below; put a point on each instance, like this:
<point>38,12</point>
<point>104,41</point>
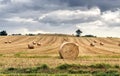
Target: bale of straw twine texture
<point>69,50</point>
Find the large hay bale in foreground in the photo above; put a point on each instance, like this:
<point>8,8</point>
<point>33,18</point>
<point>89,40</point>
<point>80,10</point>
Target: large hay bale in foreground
<point>69,50</point>
<point>31,46</point>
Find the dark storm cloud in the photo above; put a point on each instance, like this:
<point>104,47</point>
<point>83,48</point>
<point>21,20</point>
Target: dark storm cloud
<point>4,1</point>
<point>102,4</point>
<point>60,4</point>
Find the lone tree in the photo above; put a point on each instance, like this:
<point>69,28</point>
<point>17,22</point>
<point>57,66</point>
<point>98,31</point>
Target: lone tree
<point>78,33</point>
<point>3,33</point>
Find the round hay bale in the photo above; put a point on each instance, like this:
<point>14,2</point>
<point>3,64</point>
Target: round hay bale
<point>92,44</point>
<point>119,44</point>
<point>38,44</point>
<point>31,46</point>
<point>95,41</point>
<point>34,43</point>
<point>69,50</point>
<point>101,43</point>
<point>5,42</point>
<point>9,42</point>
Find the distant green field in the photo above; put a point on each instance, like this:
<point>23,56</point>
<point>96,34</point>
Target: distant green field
<point>37,74</point>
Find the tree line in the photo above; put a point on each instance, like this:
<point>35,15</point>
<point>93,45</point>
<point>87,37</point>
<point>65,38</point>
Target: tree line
<point>3,33</point>
<point>78,34</point>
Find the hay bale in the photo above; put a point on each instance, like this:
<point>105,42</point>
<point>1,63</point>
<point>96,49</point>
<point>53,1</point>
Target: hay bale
<point>9,42</point>
<point>6,42</point>
<point>119,44</point>
<point>92,44</point>
<point>31,46</point>
<point>38,44</point>
<point>34,43</point>
<point>69,50</point>
<point>95,41</point>
<point>101,43</point>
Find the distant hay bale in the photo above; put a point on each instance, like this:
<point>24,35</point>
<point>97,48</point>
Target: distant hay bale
<point>31,46</point>
<point>119,44</point>
<point>101,43</point>
<point>92,44</point>
<point>9,42</point>
<point>38,44</point>
<point>6,42</point>
<point>34,43</point>
<point>69,50</point>
<point>95,41</point>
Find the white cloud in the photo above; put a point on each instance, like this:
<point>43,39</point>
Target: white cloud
<point>20,1</point>
<point>107,18</point>
<point>64,15</point>
<point>111,18</point>
<point>90,17</point>
<point>2,6</point>
<point>21,20</point>
<point>26,31</point>
<point>104,25</point>
<point>90,25</point>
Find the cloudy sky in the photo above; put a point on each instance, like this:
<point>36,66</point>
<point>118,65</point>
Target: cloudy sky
<point>97,17</point>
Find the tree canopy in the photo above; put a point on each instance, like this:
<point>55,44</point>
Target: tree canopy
<point>78,32</point>
<point>3,33</point>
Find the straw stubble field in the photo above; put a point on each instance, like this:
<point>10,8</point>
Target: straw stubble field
<point>17,54</point>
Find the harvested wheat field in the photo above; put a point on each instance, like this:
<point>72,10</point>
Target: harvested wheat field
<point>17,53</point>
